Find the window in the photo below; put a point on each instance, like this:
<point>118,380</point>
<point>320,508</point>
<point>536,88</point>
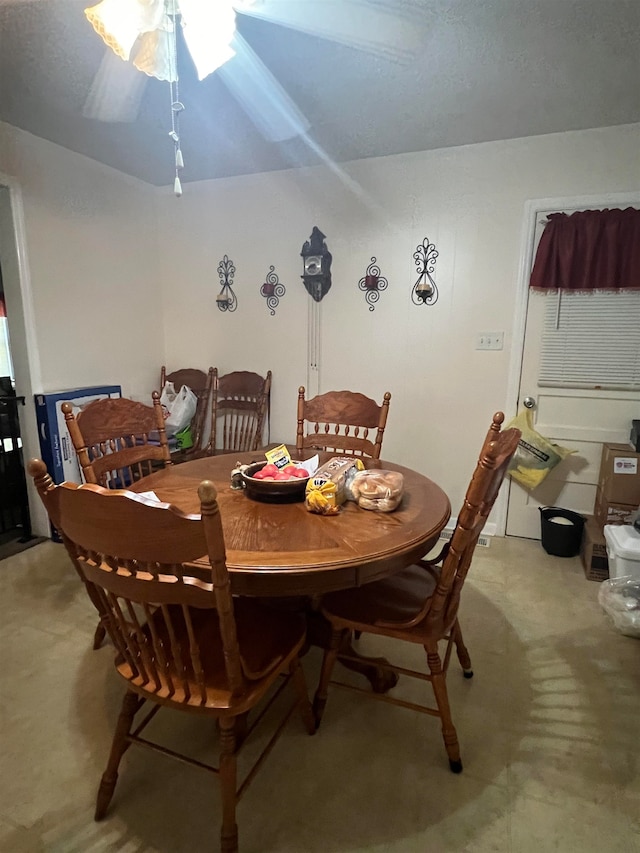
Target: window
<point>591,341</point>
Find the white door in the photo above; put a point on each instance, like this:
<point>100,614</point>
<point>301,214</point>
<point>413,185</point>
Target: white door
<point>580,418</point>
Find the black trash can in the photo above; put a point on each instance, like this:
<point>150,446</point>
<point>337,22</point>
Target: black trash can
<point>561,531</point>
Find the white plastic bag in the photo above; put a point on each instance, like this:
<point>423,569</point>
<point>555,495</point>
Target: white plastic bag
<point>620,599</point>
<point>179,407</point>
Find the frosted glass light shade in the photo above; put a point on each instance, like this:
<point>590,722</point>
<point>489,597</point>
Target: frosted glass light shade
<point>142,31</point>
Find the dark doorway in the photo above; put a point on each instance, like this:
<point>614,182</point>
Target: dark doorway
<point>15,523</point>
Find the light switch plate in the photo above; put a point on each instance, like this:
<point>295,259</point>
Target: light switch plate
<point>490,340</point>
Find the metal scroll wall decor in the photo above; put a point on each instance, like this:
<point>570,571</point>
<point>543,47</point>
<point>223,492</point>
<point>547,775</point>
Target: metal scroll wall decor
<point>273,290</point>
<point>226,300</point>
<point>424,291</point>
<point>372,283</point>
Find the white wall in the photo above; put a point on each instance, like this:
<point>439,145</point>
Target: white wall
<point>82,277</point>
<point>90,235</point>
<point>469,201</point>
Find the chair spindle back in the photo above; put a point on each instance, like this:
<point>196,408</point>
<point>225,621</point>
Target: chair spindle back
<point>344,422</point>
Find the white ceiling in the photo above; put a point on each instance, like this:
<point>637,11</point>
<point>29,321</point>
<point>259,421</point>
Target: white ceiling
<point>469,71</point>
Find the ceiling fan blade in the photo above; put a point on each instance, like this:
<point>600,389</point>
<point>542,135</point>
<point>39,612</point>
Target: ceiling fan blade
<point>387,28</point>
<point>116,92</point>
<point>261,96</point>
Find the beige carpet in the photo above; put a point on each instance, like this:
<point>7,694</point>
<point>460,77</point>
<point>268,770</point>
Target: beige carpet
<point>549,729</point>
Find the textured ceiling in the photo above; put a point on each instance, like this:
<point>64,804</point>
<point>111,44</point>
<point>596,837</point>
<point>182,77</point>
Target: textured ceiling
<point>468,71</point>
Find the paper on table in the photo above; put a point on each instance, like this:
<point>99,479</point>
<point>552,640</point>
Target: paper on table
<point>310,465</point>
<point>151,495</point>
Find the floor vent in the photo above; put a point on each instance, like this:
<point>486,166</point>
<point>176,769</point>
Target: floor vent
<point>483,541</point>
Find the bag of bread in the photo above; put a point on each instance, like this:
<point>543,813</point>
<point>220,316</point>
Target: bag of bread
<point>378,490</point>
<point>329,487</point>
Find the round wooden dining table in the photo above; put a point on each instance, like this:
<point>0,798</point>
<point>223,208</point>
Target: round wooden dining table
<point>281,549</point>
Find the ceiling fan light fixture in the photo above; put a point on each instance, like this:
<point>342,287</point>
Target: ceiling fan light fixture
<point>145,33</point>
<point>120,22</point>
<point>208,30</point>
<point>155,54</point>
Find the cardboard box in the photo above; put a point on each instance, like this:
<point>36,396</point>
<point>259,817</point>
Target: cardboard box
<point>619,479</point>
<point>56,447</point>
<point>594,552</point>
<point>610,512</point>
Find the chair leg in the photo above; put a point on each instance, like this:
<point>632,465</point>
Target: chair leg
<point>101,630</point>
<point>461,651</point>
<point>228,785</point>
<point>99,635</point>
<point>300,687</point>
<point>328,662</point>
<point>130,705</point>
<point>439,684</point>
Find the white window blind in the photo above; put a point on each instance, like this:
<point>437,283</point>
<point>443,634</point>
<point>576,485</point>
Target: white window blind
<point>591,341</point>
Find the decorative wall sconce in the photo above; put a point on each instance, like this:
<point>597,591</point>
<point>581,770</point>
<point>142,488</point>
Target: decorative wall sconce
<point>317,265</point>
<point>272,290</point>
<point>424,291</point>
<point>372,283</point>
<point>226,300</point>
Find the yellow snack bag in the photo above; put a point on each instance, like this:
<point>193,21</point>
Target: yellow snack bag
<point>279,456</point>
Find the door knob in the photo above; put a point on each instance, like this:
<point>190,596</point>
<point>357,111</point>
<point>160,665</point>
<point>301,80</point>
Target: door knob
<point>529,402</point>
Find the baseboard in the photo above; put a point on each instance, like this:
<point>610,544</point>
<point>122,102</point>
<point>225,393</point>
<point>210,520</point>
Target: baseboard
<point>484,540</point>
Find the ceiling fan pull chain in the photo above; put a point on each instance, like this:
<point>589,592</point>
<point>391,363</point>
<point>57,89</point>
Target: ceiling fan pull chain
<point>176,105</point>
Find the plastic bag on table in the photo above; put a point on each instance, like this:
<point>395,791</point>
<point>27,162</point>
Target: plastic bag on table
<point>179,407</point>
<point>535,455</point>
<point>620,600</point>
<point>377,489</point>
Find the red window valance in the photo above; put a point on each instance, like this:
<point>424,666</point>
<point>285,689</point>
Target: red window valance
<point>589,250</point>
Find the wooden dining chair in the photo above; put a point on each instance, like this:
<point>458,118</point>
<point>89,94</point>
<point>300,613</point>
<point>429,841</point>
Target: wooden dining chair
<point>118,441</point>
<point>201,384</point>
<point>420,603</point>
<point>182,640</point>
<point>343,422</point>
<point>239,411</point>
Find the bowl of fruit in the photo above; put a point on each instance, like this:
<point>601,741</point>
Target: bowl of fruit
<point>266,482</point>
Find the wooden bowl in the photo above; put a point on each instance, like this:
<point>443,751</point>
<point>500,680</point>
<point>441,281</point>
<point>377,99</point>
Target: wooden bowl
<point>273,491</point>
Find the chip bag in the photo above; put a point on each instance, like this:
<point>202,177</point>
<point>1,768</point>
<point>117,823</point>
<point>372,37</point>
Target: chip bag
<point>535,455</point>
<point>279,456</point>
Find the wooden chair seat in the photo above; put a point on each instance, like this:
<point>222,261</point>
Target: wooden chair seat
<point>267,643</point>
<point>420,604</point>
<point>394,602</point>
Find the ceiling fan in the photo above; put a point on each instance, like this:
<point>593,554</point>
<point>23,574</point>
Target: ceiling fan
<point>142,36</point>
<point>382,27</point>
